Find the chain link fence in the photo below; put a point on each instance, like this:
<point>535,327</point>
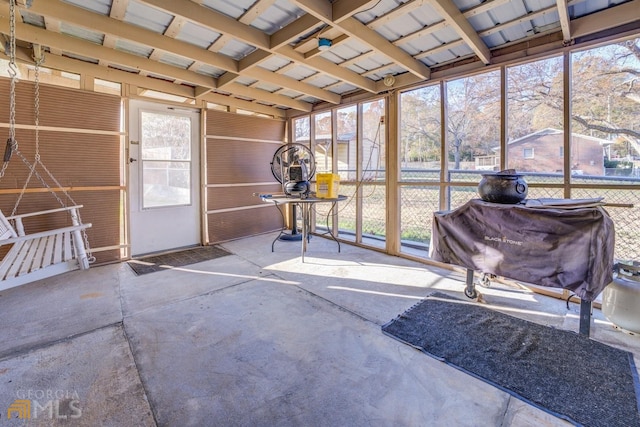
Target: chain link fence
<point>419,201</point>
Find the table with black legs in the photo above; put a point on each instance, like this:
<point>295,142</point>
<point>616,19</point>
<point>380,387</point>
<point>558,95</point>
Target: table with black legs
<point>305,205</point>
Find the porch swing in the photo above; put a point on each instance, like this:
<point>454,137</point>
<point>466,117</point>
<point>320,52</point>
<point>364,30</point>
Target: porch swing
<point>38,255</point>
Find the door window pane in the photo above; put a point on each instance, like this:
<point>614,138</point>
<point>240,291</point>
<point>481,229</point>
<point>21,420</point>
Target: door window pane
<point>166,183</point>
<point>165,149</point>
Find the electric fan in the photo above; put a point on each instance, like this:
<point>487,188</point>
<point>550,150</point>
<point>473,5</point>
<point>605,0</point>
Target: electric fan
<point>293,165</point>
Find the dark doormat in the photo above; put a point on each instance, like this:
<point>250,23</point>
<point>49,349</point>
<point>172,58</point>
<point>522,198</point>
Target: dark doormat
<point>176,259</point>
<point>561,372</point>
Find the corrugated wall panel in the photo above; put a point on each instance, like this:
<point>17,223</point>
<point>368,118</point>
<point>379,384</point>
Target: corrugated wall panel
<point>85,160</point>
<point>237,126</point>
<point>74,159</point>
<point>231,197</point>
<point>225,226</point>
<point>63,107</point>
<point>239,150</point>
<point>237,162</point>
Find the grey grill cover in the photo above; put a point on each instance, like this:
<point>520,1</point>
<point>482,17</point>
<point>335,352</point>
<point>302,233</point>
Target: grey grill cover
<point>570,248</point>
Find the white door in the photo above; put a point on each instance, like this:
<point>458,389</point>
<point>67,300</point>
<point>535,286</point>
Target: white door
<point>164,177</point>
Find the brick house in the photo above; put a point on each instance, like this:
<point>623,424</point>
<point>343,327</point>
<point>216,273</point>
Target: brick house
<point>543,151</point>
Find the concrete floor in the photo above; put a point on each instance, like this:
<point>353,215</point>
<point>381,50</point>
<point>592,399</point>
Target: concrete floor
<point>253,339</point>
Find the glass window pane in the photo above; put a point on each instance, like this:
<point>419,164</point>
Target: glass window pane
<point>473,124</point>
<point>323,145</point>
<point>347,142</point>
<point>302,131</point>
<point>605,103</point>
<point>535,120</point>
<point>347,123</point>
<point>373,173</point>
<point>420,134</point>
<point>165,137</point>
<point>166,183</point>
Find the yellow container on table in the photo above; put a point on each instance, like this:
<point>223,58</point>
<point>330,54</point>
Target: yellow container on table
<point>327,185</point>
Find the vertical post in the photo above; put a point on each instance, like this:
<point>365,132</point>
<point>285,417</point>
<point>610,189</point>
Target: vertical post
<point>78,242</point>
<point>19,227</point>
<point>585,317</point>
<point>470,289</point>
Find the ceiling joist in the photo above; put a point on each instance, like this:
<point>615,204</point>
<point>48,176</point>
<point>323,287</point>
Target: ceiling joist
<point>450,12</point>
<point>354,28</point>
<point>284,65</point>
<point>80,17</point>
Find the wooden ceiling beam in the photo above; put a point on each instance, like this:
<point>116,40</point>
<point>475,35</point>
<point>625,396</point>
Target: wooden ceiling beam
<point>85,68</point>
<point>450,13</point>
<point>87,49</point>
<point>53,25</point>
<point>343,9</point>
<point>81,17</point>
<point>563,13</point>
<point>294,30</point>
<point>118,9</point>
<point>354,28</point>
<point>209,18</point>
<point>223,24</point>
<point>255,10</point>
<point>327,67</point>
<point>624,13</point>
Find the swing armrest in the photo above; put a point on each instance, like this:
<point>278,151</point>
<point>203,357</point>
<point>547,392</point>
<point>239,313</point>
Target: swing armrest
<point>44,234</point>
<point>26,215</point>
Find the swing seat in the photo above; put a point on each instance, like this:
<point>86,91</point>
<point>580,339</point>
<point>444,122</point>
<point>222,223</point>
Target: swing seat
<point>40,255</point>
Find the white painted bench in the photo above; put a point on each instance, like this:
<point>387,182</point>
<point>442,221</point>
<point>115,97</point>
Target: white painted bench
<point>40,255</point>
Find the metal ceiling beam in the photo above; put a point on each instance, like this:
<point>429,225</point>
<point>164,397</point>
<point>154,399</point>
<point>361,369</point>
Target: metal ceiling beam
<point>450,12</point>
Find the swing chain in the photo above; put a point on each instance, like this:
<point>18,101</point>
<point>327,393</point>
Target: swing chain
<point>12,144</point>
<point>38,62</point>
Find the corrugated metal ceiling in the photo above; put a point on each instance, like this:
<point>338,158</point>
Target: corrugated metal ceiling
<point>270,47</point>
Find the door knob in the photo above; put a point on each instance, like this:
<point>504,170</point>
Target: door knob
<point>131,160</point>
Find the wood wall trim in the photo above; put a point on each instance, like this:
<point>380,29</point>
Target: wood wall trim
<point>242,208</point>
<point>67,189</point>
<point>241,184</point>
<point>60,129</point>
<point>268,141</point>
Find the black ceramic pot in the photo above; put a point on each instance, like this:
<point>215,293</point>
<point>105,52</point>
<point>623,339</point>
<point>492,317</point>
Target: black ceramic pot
<point>505,186</point>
